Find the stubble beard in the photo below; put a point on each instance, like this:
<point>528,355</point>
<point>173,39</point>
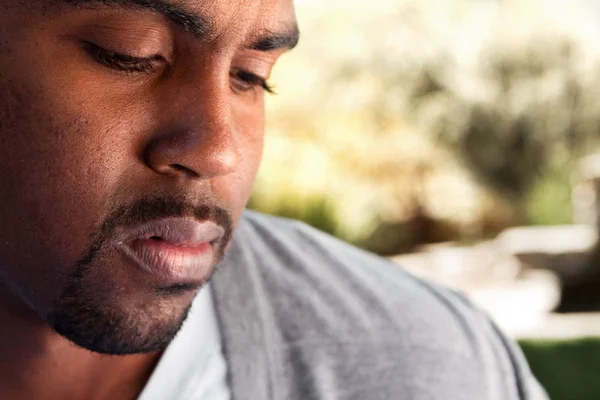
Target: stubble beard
<point>93,319</point>
<point>93,313</point>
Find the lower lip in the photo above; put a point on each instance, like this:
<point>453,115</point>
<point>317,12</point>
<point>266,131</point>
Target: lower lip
<point>174,263</point>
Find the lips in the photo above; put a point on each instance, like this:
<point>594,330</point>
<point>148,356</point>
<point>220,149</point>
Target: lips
<point>178,250</point>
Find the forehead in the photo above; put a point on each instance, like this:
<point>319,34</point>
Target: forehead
<point>254,18</point>
<point>268,11</point>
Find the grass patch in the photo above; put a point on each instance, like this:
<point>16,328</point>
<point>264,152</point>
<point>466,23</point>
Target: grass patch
<point>549,201</point>
<point>568,369</point>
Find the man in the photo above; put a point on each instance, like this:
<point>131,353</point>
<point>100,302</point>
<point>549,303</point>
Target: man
<point>131,132</point>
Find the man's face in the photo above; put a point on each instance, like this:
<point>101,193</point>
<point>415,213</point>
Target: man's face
<point>115,114</point>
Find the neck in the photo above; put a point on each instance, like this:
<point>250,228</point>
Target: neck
<point>38,363</point>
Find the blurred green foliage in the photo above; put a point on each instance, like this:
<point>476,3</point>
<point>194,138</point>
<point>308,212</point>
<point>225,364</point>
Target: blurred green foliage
<point>549,202</point>
<point>567,369</point>
<point>416,121</point>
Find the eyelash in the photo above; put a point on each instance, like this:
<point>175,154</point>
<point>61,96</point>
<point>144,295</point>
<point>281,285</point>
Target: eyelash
<point>122,62</point>
<point>252,80</point>
<point>127,63</point>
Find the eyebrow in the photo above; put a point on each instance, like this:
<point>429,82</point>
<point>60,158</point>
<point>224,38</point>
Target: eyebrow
<point>198,26</point>
<point>192,23</point>
<point>269,41</point>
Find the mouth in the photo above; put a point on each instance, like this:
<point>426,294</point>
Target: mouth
<point>177,250</point>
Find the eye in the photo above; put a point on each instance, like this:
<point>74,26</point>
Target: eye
<point>123,62</point>
<point>244,81</point>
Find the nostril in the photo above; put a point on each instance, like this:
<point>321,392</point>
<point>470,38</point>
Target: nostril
<point>185,170</point>
<point>178,167</point>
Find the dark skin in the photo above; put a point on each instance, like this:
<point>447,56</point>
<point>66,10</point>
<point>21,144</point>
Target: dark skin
<point>113,113</point>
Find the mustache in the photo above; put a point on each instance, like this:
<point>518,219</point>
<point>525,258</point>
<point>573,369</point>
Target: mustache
<point>146,209</point>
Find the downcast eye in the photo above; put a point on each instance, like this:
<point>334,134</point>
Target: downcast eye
<point>122,62</point>
<point>244,81</point>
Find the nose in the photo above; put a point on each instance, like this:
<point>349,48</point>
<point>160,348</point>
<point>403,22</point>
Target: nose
<point>200,141</point>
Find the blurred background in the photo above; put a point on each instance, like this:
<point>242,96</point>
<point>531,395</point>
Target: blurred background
<point>458,138</point>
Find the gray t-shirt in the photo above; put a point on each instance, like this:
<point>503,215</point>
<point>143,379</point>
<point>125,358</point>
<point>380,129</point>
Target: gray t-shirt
<point>304,316</point>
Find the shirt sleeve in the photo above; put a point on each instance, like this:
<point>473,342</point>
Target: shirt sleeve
<point>528,387</point>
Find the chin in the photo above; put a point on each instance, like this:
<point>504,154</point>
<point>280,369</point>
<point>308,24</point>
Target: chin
<point>120,330</point>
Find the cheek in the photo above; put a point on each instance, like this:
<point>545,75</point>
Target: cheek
<point>237,186</point>
<point>250,161</point>
<point>251,141</point>
<point>55,178</point>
